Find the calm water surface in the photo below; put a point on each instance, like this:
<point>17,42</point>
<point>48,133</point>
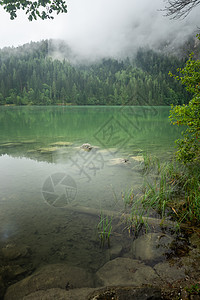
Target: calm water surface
<point>52,192</point>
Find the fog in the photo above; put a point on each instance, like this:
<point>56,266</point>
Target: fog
<point>101,28</point>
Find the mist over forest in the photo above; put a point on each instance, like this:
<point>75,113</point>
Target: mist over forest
<point>49,72</point>
<point>106,53</point>
<point>100,28</point>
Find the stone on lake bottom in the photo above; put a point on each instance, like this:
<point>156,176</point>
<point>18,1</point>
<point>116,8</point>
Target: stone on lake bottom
<point>115,251</point>
<point>60,294</point>
<point>61,144</point>
<point>170,273</point>
<point>51,276</point>
<point>86,147</point>
<point>12,251</point>
<point>127,293</point>
<point>151,246</point>
<point>12,271</point>
<point>138,158</point>
<point>126,271</point>
<point>48,150</point>
<point>116,293</point>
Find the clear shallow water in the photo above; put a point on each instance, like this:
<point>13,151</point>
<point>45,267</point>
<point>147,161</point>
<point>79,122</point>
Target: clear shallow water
<point>47,185</point>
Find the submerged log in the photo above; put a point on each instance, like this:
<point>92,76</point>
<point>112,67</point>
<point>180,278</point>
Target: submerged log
<point>125,216</point>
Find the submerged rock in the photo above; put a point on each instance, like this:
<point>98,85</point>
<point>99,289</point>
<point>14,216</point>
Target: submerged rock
<point>126,271</point>
<point>138,158</point>
<point>2,287</point>
<point>115,251</point>
<point>191,261</point>
<point>127,293</point>
<point>195,241</point>
<point>115,293</point>
<point>170,273</point>
<point>118,161</point>
<point>12,271</point>
<point>60,276</point>
<point>61,144</point>
<point>8,145</point>
<point>13,251</point>
<point>48,150</point>
<point>151,246</point>
<point>31,151</point>
<point>86,147</point>
<point>60,294</point>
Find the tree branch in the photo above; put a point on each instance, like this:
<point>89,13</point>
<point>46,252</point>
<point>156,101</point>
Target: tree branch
<point>42,9</point>
<point>177,9</point>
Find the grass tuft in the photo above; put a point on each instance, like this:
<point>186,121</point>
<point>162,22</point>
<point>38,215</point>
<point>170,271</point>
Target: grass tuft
<point>104,229</point>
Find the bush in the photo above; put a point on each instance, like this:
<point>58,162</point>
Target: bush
<point>188,115</point>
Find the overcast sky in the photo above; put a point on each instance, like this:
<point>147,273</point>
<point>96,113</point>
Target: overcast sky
<point>104,27</point>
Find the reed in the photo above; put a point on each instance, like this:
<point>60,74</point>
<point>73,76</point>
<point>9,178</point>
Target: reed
<point>170,190</point>
<point>175,193</point>
<point>104,229</point>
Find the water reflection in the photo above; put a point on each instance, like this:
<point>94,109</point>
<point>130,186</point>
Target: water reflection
<point>26,129</point>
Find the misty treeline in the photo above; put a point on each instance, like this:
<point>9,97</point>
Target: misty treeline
<point>29,76</point>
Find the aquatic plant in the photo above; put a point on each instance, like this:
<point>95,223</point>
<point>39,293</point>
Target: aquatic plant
<point>104,229</point>
<point>172,192</point>
<point>157,194</point>
<point>151,162</point>
<point>137,219</point>
<point>128,198</point>
<point>175,192</point>
<point>137,222</point>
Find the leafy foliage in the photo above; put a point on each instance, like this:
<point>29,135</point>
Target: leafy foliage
<point>42,9</point>
<point>189,115</point>
<point>28,75</point>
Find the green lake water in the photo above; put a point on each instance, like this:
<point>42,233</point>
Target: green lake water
<point>52,191</point>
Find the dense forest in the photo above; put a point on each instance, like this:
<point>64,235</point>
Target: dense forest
<point>30,76</point>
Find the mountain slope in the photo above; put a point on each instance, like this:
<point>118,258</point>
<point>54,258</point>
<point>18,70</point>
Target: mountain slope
<point>29,75</point>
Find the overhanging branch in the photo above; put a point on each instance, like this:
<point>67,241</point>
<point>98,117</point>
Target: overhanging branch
<point>177,9</point>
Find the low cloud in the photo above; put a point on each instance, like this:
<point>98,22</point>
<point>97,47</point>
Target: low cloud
<point>115,27</point>
<point>101,28</point>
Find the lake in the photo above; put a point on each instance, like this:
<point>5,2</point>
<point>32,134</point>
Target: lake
<point>53,192</point>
